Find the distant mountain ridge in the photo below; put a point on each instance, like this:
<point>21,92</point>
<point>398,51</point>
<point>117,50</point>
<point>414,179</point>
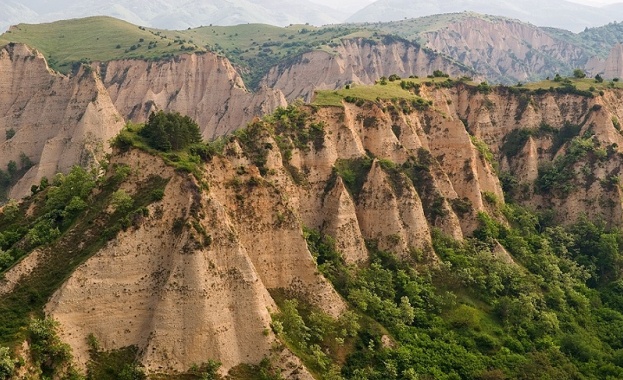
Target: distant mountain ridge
<point>554,13</point>
<point>497,49</point>
<point>176,14</point>
<point>182,14</point>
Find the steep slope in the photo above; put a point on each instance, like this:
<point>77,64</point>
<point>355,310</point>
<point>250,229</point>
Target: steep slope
<point>203,251</point>
<point>196,288</point>
<point>562,151</point>
<point>356,61</point>
<point>189,268</point>
<point>613,67</point>
<point>505,50</point>
<point>50,122</point>
<point>203,86</point>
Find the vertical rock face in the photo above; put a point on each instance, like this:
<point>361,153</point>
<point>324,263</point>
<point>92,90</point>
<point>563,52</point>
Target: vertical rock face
<point>355,60</point>
<point>203,86</point>
<point>505,50</point>
<point>58,121</point>
<point>195,279</point>
<point>550,122</point>
<point>391,212</point>
<point>342,224</point>
<point>182,299</point>
<point>55,121</point>
<point>613,67</point>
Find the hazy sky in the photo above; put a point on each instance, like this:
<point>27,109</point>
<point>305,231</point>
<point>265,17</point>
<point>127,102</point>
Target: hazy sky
<point>358,4</point>
<point>352,5</point>
<point>596,2</point>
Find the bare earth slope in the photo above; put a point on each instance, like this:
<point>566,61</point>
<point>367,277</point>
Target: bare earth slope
<point>203,86</point>
<point>356,61</point>
<point>57,121</point>
<point>194,278</point>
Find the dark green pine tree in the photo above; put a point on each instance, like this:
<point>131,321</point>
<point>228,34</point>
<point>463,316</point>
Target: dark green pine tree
<point>170,131</point>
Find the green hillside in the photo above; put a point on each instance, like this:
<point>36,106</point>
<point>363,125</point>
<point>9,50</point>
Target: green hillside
<point>254,48</point>
<point>412,29</point>
<point>94,39</point>
<point>597,41</point>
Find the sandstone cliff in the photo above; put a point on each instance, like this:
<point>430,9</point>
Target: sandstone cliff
<point>53,120</point>
<point>194,278</point>
<point>355,61</point>
<point>203,86</point>
<point>575,135</point>
<point>613,66</point>
<point>191,282</point>
<point>505,50</point>
<point>196,274</point>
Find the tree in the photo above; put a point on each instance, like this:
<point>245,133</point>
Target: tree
<point>599,78</point>
<point>579,73</point>
<point>12,168</point>
<point>170,131</point>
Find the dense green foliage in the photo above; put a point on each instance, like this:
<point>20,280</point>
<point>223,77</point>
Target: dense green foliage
<point>52,356</point>
<point>173,137</point>
<point>555,314</point>
<point>557,178</point>
<point>114,365</point>
<point>170,131</point>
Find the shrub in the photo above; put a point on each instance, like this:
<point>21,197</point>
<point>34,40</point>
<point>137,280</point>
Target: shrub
<point>10,133</point>
<point>7,364</point>
<point>121,201</point>
<point>483,88</point>
<point>47,349</point>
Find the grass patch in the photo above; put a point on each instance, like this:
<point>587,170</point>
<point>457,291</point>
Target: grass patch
<point>388,91</point>
<point>64,43</point>
<point>583,84</point>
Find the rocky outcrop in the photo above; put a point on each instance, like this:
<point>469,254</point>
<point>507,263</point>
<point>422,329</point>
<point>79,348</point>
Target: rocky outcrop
<point>549,122</point>
<point>613,67</point>
<point>52,120</point>
<point>203,86</point>
<point>195,279</point>
<point>505,50</point>
<point>196,275</point>
<point>191,282</point>
<point>355,61</point>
